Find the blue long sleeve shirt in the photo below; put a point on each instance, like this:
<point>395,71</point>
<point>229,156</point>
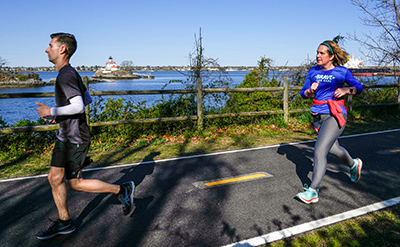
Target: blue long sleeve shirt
<point>329,81</point>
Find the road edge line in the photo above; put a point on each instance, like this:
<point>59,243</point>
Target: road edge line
<point>313,225</point>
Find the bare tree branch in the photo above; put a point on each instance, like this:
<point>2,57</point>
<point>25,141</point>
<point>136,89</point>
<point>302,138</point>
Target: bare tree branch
<point>208,69</point>
<point>384,15</point>
<point>2,62</point>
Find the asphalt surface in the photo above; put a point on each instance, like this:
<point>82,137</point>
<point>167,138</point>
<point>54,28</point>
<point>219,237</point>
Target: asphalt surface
<point>172,211</point>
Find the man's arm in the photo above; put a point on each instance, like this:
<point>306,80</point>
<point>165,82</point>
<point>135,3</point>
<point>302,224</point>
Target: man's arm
<point>76,106</point>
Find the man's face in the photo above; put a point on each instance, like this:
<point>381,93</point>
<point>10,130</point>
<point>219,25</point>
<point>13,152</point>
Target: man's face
<point>53,51</point>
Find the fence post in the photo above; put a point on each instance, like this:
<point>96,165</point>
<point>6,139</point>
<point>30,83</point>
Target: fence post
<point>85,81</point>
<point>349,103</point>
<point>286,99</point>
<point>398,90</point>
<point>199,104</point>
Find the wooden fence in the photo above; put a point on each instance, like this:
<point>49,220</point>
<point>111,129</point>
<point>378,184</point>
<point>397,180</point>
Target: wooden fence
<point>200,117</point>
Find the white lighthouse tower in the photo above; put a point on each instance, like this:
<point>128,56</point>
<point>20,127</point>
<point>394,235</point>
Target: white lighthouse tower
<point>111,65</point>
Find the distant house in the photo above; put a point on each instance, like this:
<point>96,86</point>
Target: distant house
<point>111,66</point>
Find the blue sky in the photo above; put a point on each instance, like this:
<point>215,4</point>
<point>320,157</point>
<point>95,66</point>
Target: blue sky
<point>161,32</point>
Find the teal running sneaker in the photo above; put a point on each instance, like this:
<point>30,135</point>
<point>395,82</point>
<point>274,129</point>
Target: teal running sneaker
<point>309,195</point>
<point>355,173</point>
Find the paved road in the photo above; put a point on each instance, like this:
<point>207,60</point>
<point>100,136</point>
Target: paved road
<point>172,211</point>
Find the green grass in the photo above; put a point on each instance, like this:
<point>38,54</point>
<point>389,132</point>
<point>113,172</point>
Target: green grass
<point>380,228</point>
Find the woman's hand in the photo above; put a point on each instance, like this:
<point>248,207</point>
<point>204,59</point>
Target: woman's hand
<point>340,92</point>
<point>314,87</point>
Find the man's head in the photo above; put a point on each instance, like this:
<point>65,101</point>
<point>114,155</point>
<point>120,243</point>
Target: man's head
<point>61,48</point>
<point>66,39</point>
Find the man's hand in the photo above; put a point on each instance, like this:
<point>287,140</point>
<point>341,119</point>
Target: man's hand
<point>43,110</point>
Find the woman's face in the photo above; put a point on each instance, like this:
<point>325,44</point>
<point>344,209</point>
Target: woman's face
<point>324,59</point>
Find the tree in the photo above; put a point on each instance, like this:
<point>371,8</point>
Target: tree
<point>204,69</point>
<point>384,15</point>
<point>126,65</point>
<point>338,39</point>
<point>2,62</point>
<point>203,72</point>
<point>257,101</point>
<point>208,69</point>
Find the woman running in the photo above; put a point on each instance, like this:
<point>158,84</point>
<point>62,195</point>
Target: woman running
<point>327,81</point>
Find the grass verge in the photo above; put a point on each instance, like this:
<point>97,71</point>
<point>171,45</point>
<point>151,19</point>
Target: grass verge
<point>380,228</point>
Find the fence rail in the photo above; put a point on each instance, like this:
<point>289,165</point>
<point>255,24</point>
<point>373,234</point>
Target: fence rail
<point>147,92</point>
<point>199,117</point>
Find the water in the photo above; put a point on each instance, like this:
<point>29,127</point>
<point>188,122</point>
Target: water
<point>12,110</point>
<point>378,80</point>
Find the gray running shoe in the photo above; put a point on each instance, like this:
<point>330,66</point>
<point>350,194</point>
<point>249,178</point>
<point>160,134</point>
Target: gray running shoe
<point>55,229</point>
<point>126,198</point>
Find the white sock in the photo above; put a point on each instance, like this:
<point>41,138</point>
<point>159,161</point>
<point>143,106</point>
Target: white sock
<point>354,165</point>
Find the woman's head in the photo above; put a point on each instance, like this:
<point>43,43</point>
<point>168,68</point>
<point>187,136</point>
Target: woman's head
<point>336,55</point>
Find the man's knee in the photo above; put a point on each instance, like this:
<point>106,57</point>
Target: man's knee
<point>75,184</point>
<point>55,176</point>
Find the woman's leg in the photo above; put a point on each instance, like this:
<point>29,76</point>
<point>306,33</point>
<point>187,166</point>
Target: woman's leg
<point>327,137</point>
<point>342,154</point>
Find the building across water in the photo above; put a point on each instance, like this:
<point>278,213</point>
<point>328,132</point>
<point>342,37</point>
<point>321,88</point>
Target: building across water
<point>111,66</point>
<point>111,71</point>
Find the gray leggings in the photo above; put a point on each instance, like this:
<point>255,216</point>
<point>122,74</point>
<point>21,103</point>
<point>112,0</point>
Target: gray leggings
<point>327,141</point>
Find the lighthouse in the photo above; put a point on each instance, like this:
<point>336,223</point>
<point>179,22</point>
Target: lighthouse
<point>111,65</point>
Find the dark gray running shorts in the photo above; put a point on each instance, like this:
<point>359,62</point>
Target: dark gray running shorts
<point>70,156</point>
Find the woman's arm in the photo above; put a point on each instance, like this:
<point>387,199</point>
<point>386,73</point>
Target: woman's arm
<point>355,84</point>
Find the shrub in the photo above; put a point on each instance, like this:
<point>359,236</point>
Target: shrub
<point>21,144</point>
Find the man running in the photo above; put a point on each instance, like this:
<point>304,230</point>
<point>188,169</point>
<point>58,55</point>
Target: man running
<point>73,139</point>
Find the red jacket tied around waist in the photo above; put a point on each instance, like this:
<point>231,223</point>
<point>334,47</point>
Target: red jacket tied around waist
<point>334,106</point>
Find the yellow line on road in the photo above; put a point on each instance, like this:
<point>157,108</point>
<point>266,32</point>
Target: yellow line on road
<point>237,179</point>
<point>230,180</point>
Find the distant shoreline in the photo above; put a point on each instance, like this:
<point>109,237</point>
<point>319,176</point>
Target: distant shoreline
<point>36,83</point>
<point>134,68</point>
<point>162,68</point>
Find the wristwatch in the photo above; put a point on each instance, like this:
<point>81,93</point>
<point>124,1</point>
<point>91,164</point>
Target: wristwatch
<point>351,90</point>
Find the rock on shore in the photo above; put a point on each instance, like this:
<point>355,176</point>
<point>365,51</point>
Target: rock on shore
<point>118,75</point>
<point>36,82</point>
<point>26,83</point>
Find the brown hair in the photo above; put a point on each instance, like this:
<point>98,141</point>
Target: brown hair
<point>341,56</point>
<point>68,40</point>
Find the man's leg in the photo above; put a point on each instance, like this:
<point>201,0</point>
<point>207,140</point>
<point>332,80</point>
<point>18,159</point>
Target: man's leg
<point>125,191</point>
<point>59,191</point>
<point>93,186</point>
<point>73,174</point>
<point>64,225</point>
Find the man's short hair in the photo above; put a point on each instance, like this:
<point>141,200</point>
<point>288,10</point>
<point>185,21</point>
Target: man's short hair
<point>68,40</point>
